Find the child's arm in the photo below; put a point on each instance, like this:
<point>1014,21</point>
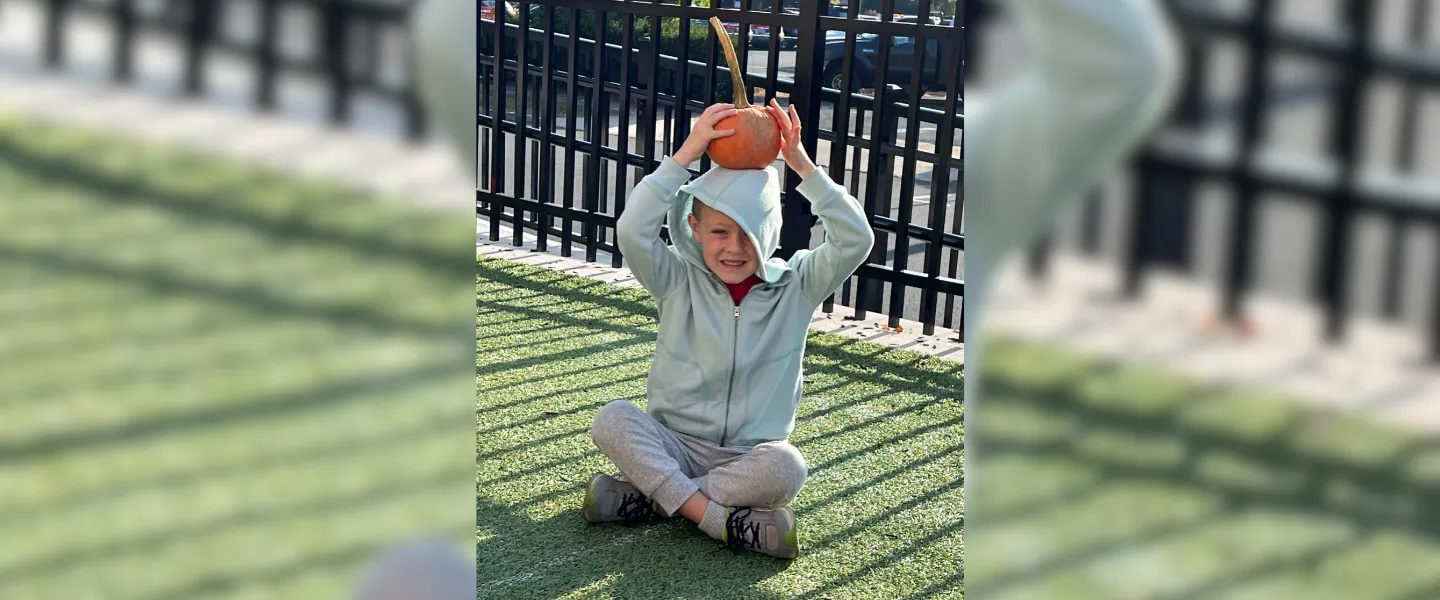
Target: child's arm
<point>655,267</point>
<point>848,235</point>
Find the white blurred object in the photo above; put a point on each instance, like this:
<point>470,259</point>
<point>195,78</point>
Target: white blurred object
<point>1100,75</point>
<point>444,35</point>
<point>427,570</point>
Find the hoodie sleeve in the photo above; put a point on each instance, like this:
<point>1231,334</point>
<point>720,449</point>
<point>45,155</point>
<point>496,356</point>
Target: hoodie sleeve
<point>848,238</point>
<point>638,229</point>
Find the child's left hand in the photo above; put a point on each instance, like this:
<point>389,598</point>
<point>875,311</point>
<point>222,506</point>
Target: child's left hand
<point>792,149</point>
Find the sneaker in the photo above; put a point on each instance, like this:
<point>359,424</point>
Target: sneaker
<point>767,531</point>
<point>609,499</point>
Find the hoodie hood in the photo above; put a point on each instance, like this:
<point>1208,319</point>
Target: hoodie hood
<point>751,197</point>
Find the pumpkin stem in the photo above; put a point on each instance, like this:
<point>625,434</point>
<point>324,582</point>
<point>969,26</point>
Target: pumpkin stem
<point>737,79</point>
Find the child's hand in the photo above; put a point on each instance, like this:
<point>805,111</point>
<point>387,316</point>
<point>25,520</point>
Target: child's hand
<point>703,132</point>
<point>791,147</point>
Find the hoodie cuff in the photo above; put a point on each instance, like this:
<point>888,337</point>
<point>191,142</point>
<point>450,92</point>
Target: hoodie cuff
<point>668,177</point>
<point>817,186</point>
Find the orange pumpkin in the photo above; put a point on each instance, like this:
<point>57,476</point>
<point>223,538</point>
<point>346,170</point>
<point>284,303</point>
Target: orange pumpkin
<point>756,141</point>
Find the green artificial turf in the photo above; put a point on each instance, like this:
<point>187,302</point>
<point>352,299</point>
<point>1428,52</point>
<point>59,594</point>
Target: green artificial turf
<point>1122,481</point>
<point>217,381</point>
<point>880,517</point>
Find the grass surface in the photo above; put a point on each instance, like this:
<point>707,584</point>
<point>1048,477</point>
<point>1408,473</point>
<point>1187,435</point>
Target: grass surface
<point>1126,482</point>
<point>880,517</point>
<point>215,381</point>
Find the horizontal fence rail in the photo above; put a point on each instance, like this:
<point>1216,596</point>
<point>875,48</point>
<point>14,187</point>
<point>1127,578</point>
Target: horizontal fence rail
<point>346,38</point>
<point>579,99</point>
<point>1234,146</point>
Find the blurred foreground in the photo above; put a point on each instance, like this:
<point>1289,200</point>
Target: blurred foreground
<point>1208,436</point>
<point>236,350</point>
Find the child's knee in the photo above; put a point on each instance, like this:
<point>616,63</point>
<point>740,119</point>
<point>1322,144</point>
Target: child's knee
<point>610,421</point>
<point>787,466</point>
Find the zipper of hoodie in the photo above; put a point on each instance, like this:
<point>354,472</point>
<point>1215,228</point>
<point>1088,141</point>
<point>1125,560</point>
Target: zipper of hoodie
<point>730,389</point>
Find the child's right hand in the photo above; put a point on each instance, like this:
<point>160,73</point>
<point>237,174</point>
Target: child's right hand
<point>703,132</point>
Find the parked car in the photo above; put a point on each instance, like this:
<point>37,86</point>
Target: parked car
<point>901,62</point>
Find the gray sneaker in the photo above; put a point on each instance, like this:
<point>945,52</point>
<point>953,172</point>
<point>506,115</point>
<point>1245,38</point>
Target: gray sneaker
<point>608,499</point>
<point>767,531</point>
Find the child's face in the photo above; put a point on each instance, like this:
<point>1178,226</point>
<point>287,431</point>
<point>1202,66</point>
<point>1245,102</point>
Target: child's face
<point>728,251</point>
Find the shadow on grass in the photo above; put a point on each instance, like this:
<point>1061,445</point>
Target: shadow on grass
<point>1305,465</point>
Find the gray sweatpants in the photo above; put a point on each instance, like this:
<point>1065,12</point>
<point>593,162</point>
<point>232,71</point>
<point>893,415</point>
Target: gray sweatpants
<point>669,467</point>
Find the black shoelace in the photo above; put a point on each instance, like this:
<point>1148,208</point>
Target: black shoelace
<point>741,534</point>
<point>635,509</point>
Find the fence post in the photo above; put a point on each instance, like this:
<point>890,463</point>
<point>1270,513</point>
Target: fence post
<point>124,44</point>
<point>202,15</point>
<point>809,62</point>
<point>55,32</point>
<point>334,27</point>
<point>265,55</point>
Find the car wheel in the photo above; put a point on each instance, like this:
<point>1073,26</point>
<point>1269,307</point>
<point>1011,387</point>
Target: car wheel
<point>833,77</point>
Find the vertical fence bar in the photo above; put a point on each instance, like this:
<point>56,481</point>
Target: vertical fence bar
<point>652,95</point>
<point>772,56</point>
<point>940,180</point>
<point>873,287</point>
<point>571,117</point>
<point>592,135</point>
<point>56,12</point>
<point>1345,143</point>
<point>1137,253</point>
<point>907,169</point>
<point>622,144</point>
<point>1092,220</point>
<point>1038,259</point>
<point>1434,342</point>
<point>415,116</point>
<point>522,109</point>
<point>197,42</point>
<point>1407,146</point>
<point>809,60</point>
<point>122,66</point>
<point>1242,218</point>
<point>711,77</point>
<point>955,258</point>
<point>497,130</point>
<point>265,59</point>
<point>682,86</point>
<point>545,193</point>
<point>843,84</point>
<point>742,48</point>
<point>335,24</point>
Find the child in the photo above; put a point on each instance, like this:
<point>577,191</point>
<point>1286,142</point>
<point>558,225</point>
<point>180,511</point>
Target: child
<point>726,376</point>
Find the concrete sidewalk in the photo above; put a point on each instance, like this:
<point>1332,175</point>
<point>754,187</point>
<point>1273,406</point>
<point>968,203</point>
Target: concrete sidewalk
<point>1379,371</point>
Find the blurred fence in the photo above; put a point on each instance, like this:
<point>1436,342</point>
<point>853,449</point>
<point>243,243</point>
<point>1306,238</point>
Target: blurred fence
<point>560,150</point>
<point>1363,166</point>
<point>344,44</point>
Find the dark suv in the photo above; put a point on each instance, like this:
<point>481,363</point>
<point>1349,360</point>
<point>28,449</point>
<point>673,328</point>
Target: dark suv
<point>901,61</point>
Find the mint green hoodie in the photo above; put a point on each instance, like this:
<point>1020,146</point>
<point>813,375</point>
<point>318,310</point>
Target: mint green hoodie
<point>725,373</point>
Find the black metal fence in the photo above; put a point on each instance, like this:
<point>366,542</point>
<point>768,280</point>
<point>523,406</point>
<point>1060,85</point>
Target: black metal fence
<point>563,139</point>
<point>1234,146</point>
<point>346,42</point>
